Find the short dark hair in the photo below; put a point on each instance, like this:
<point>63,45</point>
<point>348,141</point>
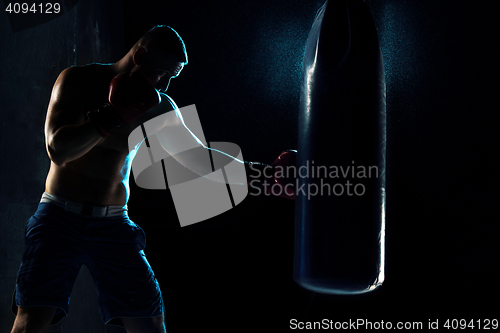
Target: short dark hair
<point>164,39</point>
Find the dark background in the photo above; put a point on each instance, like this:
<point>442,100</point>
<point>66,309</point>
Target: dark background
<point>234,272</point>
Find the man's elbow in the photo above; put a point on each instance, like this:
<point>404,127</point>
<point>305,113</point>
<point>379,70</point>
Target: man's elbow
<point>56,157</point>
<point>56,154</point>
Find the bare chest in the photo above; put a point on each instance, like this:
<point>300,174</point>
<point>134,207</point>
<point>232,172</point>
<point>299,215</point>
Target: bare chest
<point>95,97</point>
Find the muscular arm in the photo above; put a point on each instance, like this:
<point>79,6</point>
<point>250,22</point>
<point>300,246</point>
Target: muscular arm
<point>170,132</point>
<point>68,133</point>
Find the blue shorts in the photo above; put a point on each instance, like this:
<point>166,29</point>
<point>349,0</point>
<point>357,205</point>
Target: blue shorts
<point>58,242</point>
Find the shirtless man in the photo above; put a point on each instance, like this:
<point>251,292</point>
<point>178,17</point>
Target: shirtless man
<point>82,217</point>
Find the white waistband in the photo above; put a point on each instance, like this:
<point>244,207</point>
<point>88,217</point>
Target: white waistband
<point>84,209</point>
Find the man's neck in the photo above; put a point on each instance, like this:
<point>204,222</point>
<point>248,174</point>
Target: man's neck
<point>125,64</point>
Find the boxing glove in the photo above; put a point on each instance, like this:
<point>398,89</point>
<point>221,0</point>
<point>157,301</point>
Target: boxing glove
<point>276,179</point>
<point>130,95</point>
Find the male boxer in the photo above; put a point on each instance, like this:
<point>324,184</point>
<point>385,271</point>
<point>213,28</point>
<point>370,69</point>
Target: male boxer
<point>82,217</point>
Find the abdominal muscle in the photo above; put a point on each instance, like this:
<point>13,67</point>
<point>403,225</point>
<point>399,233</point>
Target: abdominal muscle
<point>98,178</point>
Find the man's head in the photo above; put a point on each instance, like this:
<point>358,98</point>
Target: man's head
<point>160,54</point>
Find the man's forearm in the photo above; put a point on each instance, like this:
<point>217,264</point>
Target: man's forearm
<point>71,142</point>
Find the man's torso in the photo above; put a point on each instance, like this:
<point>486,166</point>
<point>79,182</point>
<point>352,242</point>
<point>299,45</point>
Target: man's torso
<point>101,176</point>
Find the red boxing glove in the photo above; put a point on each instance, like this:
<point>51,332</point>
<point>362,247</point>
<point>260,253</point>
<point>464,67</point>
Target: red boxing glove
<point>284,175</point>
<point>130,95</point>
<point>277,179</point>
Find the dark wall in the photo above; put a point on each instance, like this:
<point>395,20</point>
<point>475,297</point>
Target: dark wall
<point>244,75</point>
<point>31,60</point>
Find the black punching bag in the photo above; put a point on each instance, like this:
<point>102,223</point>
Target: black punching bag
<point>340,204</point>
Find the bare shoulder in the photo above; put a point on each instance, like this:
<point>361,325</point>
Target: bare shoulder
<point>66,91</point>
<point>77,78</point>
<point>72,83</point>
<point>73,93</point>
<point>168,100</point>
<point>67,81</point>
<point>72,72</point>
<point>167,104</point>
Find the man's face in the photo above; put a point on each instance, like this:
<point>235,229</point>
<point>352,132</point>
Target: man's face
<point>160,70</point>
